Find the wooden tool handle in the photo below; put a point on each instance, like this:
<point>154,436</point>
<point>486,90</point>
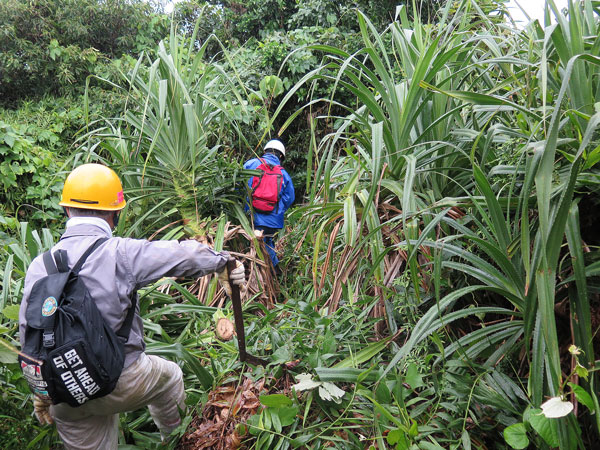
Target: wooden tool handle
<point>237,310</point>
<point>238,317</point>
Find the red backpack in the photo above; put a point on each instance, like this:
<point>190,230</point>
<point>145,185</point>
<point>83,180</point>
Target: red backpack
<point>266,187</point>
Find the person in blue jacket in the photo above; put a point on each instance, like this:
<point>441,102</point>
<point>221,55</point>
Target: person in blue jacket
<point>271,223</point>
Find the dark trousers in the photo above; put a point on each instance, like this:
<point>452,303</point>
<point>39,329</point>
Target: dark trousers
<point>269,234</point>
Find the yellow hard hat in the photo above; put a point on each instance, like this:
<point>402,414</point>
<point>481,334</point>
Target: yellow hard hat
<point>93,186</point>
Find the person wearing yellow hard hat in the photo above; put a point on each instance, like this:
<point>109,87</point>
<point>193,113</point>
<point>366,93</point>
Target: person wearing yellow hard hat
<point>114,268</point>
<point>93,187</point>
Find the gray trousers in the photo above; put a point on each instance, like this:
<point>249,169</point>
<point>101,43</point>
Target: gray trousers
<point>150,381</point>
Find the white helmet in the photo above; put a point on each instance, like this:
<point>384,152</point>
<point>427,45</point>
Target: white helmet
<point>276,144</point>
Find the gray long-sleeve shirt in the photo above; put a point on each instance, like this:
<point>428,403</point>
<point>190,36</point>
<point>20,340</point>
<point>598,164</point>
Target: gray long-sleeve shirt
<point>120,266</point>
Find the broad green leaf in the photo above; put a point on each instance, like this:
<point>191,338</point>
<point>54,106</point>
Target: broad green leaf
<point>270,86</point>
<point>516,436</point>
<point>282,355</point>
<point>546,428</point>
<point>275,400</point>
<point>394,435</point>
<point>9,139</point>
<point>398,438</point>
<point>329,342</point>
<point>582,396</point>
<point>382,393</point>
<point>413,431</point>
<point>275,421</point>
<point>8,353</point>
<point>413,377</point>
<point>582,371</point>
<point>11,312</point>
<point>287,414</point>
<point>254,424</point>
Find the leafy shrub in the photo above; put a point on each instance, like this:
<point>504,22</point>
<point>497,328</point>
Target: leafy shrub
<point>28,172</point>
<point>37,145</point>
<point>50,46</point>
<point>16,430</point>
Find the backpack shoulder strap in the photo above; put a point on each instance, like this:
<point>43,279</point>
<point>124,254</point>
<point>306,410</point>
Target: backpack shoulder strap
<point>123,332</point>
<point>62,260</point>
<point>128,322</point>
<point>57,262</point>
<point>88,252</point>
<point>49,262</point>
<point>270,166</point>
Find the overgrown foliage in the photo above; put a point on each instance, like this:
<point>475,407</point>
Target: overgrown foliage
<point>418,179</point>
<point>50,46</point>
<point>440,278</point>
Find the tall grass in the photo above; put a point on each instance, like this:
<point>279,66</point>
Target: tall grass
<point>172,143</point>
<point>443,211</point>
<point>458,173</point>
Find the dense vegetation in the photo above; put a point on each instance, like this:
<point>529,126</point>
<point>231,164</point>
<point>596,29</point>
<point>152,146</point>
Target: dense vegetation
<point>441,265</point>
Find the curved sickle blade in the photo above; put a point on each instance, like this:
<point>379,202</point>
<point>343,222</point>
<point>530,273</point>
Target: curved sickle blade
<point>239,320</point>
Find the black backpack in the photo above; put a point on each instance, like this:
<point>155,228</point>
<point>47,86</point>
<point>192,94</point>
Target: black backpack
<point>70,354</point>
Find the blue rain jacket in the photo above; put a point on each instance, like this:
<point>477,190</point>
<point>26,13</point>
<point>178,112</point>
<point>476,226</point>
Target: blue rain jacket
<point>286,196</point>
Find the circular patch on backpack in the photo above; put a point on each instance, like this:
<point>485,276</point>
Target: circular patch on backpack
<point>49,306</point>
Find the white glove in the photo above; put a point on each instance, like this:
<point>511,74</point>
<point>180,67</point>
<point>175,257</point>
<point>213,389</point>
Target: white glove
<point>237,277</point>
<point>41,409</point>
